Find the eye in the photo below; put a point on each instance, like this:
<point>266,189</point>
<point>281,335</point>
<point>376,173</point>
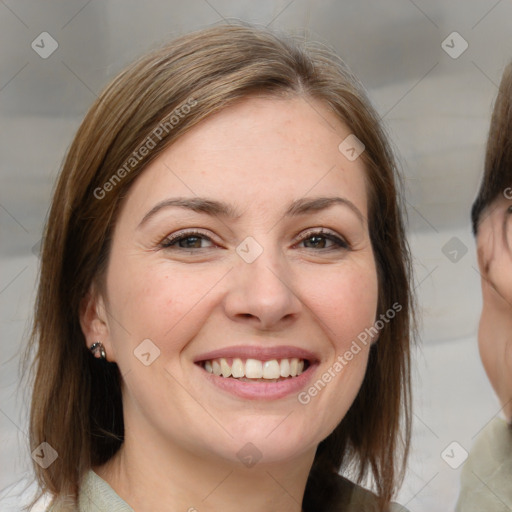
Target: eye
<point>194,240</point>
<point>321,239</point>
<point>186,240</point>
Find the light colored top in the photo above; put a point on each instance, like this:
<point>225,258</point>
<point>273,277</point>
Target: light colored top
<point>96,495</point>
<point>486,481</point>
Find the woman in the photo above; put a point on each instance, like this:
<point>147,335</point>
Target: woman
<point>223,314</point>
<point>487,474</point>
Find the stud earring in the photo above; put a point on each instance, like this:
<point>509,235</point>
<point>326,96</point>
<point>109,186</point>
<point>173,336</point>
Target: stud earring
<point>98,350</point>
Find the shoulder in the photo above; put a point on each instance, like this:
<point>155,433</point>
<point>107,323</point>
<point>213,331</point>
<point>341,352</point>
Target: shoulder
<point>338,494</point>
<point>362,499</point>
<point>96,495</point>
<point>486,474</point>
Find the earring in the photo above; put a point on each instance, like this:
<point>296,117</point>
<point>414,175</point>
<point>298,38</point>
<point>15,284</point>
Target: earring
<point>98,350</point>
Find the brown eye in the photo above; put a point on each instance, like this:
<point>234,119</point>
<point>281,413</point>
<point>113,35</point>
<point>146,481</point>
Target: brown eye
<point>190,240</point>
<point>317,242</point>
<point>323,240</point>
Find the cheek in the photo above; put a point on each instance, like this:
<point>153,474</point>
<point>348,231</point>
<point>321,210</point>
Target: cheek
<point>151,301</point>
<point>141,300</point>
<point>488,353</point>
<point>346,302</point>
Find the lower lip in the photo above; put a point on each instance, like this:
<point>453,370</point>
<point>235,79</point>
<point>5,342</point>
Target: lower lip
<point>261,390</point>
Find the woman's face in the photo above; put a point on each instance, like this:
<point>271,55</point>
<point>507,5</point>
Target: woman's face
<point>495,263</point>
<point>265,259</point>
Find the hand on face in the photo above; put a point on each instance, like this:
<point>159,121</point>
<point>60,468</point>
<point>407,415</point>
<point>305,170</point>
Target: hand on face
<point>494,249</point>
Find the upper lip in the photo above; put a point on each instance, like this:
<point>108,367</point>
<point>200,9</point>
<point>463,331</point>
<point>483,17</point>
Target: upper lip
<point>260,353</point>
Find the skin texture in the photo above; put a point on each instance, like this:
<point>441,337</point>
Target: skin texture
<point>494,243</point>
<point>182,433</point>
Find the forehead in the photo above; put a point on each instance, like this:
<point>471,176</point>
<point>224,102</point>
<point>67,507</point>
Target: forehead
<point>260,152</point>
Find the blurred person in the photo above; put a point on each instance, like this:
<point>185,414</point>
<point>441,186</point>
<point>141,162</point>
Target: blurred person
<point>487,473</point>
<point>224,309</point>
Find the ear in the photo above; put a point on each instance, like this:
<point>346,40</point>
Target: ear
<point>484,247</point>
<point>94,321</point>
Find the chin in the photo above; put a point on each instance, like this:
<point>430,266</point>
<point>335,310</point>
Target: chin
<point>265,448</point>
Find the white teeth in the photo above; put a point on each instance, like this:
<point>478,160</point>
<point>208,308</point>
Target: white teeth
<point>225,368</point>
<point>216,367</point>
<point>285,368</point>
<point>271,370</point>
<point>294,363</point>
<point>237,368</point>
<point>254,369</point>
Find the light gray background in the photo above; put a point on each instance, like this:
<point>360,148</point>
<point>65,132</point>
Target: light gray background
<point>435,107</point>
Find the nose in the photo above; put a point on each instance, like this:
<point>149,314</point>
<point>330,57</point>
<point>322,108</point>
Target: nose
<point>261,293</point>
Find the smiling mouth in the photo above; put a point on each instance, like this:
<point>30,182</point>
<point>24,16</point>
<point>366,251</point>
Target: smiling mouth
<point>255,370</point>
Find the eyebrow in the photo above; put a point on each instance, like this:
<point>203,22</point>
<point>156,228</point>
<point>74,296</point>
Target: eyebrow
<point>214,208</point>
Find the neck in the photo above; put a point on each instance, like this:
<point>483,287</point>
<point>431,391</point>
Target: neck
<point>151,474</point>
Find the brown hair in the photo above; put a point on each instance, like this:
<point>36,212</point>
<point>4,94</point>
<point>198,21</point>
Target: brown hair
<point>210,69</point>
<point>498,157</point>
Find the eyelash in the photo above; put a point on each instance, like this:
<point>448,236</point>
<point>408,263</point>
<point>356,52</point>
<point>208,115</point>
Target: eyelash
<point>170,242</point>
<point>341,243</point>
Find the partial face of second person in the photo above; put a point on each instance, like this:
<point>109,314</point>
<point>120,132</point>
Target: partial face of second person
<point>494,242</point>
<point>313,287</point>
